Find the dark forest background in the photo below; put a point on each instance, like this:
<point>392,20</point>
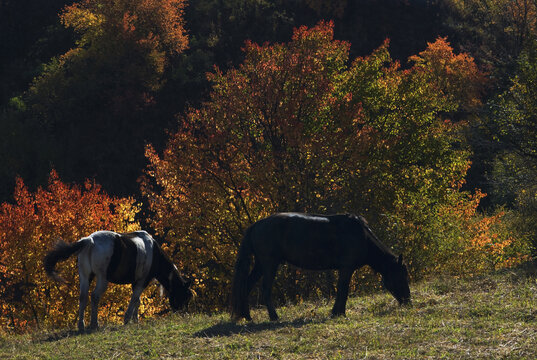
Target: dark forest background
<point>82,135</point>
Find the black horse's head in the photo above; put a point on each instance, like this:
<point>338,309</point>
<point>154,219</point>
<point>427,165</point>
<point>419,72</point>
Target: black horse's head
<point>179,290</point>
<point>395,280</point>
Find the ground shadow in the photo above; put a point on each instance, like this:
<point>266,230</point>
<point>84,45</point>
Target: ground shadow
<point>63,334</point>
<point>230,328</point>
<point>58,335</point>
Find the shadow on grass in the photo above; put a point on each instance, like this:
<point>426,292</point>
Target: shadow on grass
<point>230,328</point>
<point>59,335</point>
<point>64,334</point>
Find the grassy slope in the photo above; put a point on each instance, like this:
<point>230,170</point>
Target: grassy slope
<point>488,317</point>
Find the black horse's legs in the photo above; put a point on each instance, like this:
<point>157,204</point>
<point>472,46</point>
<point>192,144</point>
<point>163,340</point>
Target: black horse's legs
<point>253,278</point>
<point>96,295</point>
<point>342,291</point>
<point>268,278</point>
<point>135,313</point>
<point>83,301</point>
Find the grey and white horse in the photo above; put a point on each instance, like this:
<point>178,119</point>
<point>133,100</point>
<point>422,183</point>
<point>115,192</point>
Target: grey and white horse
<point>132,258</point>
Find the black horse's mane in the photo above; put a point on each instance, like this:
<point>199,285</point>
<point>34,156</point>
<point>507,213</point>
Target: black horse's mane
<point>374,238</point>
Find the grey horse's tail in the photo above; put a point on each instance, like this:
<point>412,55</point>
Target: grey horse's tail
<point>239,289</point>
<point>62,251</point>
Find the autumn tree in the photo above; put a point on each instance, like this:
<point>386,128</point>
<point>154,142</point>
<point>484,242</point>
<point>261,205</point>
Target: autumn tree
<point>297,128</point>
<point>234,161</point>
<point>31,226</point>
<point>91,109</point>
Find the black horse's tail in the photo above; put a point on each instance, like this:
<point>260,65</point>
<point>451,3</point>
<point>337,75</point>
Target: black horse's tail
<point>62,251</point>
<point>239,289</point>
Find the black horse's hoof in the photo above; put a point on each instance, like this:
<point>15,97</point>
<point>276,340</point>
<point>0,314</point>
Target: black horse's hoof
<point>336,315</point>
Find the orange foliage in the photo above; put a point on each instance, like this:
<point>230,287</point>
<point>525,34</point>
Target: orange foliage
<point>482,244</point>
<point>30,226</point>
<point>454,75</point>
<point>155,22</point>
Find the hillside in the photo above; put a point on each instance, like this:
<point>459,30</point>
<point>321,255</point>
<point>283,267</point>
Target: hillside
<point>484,317</point>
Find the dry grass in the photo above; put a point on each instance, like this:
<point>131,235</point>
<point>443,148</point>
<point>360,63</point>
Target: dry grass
<point>486,317</point>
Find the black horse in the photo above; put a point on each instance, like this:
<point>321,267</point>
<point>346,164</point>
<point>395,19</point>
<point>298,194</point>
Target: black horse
<point>132,258</point>
<point>342,242</point>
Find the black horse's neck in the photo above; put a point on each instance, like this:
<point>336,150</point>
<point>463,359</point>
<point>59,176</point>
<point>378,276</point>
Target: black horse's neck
<point>379,256</point>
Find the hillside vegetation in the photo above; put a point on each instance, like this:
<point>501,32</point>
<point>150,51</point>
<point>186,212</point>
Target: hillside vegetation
<point>194,119</point>
<point>484,317</point>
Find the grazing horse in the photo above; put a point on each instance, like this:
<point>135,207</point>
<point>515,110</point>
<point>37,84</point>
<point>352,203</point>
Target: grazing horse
<point>341,242</point>
<point>132,258</point>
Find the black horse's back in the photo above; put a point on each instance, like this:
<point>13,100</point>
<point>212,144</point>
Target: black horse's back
<point>315,242</point>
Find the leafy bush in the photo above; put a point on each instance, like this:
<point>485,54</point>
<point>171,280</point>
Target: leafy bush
<point>30,227</point>
<point>298,128</point>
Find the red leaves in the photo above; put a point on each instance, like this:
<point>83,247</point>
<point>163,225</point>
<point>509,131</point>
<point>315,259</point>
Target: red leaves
<point>30,227</point>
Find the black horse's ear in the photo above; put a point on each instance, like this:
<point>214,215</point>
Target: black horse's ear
<point>400,259</point>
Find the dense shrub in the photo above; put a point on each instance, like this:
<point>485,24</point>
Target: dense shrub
<point>29,228</point>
